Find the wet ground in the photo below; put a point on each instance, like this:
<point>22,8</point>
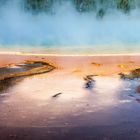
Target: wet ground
<point>108,111</point>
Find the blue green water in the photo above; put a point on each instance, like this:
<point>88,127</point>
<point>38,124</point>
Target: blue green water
<point>68,31</point>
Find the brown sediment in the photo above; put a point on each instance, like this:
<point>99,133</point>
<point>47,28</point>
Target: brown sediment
<point>42,68</point>
<point>96,64</point>
<point>131,62</point>
<point>131,75</point>
<point>123,66</point>
<point>89,77</point>
<point>136,72</point>
<point>76,71</point>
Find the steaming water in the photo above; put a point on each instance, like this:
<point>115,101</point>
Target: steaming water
<point>67,30</point>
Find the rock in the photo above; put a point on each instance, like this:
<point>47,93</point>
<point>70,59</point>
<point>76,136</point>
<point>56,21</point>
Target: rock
<point>56,95</point>
<point>89,85</point>
<point>89,81</point>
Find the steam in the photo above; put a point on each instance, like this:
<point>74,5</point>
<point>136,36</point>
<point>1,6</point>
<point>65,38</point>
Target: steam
<point>67,27</point>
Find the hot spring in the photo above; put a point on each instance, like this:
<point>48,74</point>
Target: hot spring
<point>70,26</point>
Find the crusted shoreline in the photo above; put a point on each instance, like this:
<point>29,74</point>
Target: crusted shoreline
<point>30,68</point>
<point>131,75</point>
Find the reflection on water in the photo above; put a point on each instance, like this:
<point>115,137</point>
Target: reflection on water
<point>30,102</point>
<point>6,84</point>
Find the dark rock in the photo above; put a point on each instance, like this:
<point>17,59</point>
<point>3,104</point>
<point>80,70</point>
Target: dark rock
<point>89,81</point>
<point>56,95</point>
<point>122,76</point>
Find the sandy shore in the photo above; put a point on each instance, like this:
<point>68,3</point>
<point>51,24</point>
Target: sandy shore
<point>101,65</point>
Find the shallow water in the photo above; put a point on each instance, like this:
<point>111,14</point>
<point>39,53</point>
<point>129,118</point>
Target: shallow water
<point>29,103</point>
